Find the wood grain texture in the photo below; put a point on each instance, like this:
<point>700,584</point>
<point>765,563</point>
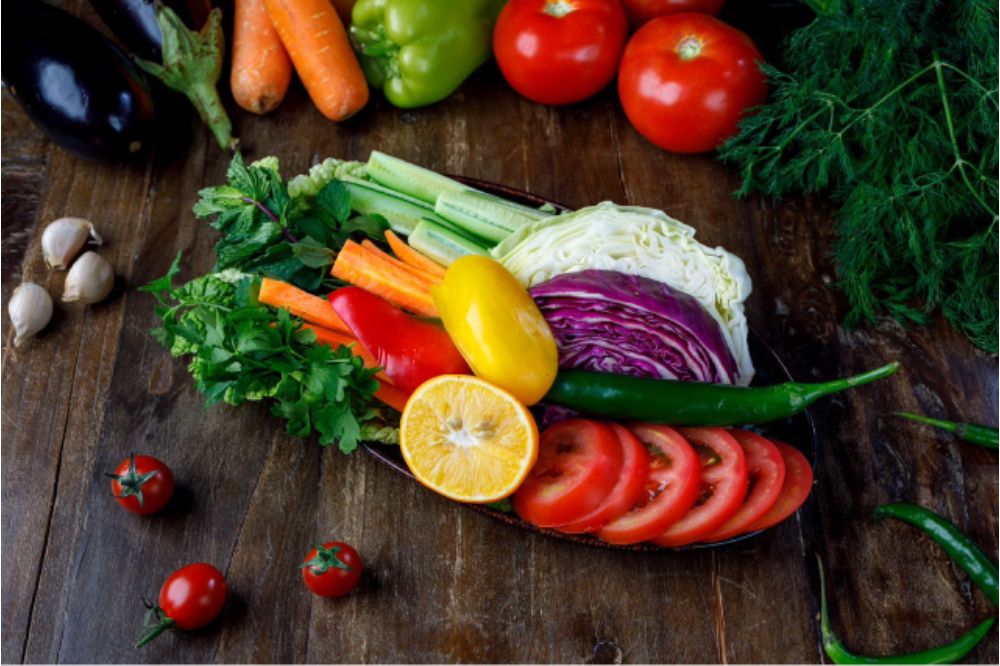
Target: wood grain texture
<point>442,583</point>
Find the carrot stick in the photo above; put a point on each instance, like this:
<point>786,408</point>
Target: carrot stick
<point>410,256</point>
<point>261,69</point>
<point>419,273</point>
<point>313,309</point>
<point>392,396</point>
<point>317,42</point>
<point>367,270</point>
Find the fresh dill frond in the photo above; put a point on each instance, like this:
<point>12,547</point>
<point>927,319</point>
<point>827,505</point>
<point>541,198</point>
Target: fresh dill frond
<point>891,108</point>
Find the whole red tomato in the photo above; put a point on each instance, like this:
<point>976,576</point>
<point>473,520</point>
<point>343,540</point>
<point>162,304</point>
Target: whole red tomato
<point>686,79</point>
<point>332,570</point>
<point>142,484</point>
<point>190,598</point>
<point>559,51</point>
<point>640,11</point>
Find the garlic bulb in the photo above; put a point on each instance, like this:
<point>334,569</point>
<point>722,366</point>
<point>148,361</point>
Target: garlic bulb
<point>89,280</point>
<point>63,238</point>
<point>30,309</point>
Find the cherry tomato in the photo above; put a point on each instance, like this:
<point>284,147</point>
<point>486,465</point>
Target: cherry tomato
<point>578,466</point>
<point>723,486</point>
<point>794,491</point>
<point>142,484</point>
<point>766,470</point>
<point>686,79</point>
<point>641,11</point>
<point>190,598</point>
<point>631,485</point>
<point>671,487</point>
<point>559,51</point>
<point>332,570</point>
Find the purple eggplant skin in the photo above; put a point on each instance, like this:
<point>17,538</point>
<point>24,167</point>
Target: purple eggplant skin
<point>134,22</point>
<point>81,89</point>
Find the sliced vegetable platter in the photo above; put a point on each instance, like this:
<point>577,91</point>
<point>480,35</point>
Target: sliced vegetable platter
<point>590,371</point>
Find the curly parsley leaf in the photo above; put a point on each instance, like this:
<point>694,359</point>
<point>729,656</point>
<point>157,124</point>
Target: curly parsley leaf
<point>243,351</point>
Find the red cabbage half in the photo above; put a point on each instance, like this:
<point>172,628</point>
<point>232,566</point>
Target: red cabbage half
<point>631,325</point>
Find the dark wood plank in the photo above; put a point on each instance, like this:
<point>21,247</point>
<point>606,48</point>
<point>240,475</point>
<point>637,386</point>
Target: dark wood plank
<point>444,584</point>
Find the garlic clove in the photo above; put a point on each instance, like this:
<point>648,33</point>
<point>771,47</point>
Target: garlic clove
<point>30,308</point>
<point>63,238</point>
<point>89,280</point>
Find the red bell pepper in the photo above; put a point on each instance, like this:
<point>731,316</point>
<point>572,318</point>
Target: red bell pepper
<point>411,351</point>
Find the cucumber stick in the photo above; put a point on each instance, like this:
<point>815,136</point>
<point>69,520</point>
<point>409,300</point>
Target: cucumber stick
<point>403,212</point>
<point>442,244</point>
<point>418,182</point>
<point>481,214</point>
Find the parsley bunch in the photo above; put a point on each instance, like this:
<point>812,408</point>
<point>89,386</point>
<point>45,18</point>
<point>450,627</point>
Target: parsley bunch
<point>891,107</point>
<point>266,231</point>
<point>243,351</point>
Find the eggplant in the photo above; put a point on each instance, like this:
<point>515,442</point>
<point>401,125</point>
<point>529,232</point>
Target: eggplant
<point>81,89</point>
<point>134,21</point>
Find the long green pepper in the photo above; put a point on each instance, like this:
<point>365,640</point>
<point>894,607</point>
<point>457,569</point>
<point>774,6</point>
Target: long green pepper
<point>959,547</point>
<point>944,654</point>
<point>693,403</point>
<point>968,432</point>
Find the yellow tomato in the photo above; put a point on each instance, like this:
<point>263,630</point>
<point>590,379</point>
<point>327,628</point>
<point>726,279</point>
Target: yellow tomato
<point>497,327</point>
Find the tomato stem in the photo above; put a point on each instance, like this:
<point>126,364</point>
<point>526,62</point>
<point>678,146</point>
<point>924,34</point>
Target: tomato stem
<point>161,626</point>
<point>689,48</point>
<point>558,8</point>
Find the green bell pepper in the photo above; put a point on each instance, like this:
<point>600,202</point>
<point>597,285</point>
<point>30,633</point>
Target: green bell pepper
<point>419,51</point>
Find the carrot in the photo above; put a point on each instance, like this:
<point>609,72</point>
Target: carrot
<point>367,270</point>
<point>313,309</point>
<point>426,276</point>
<point>315,38</point>
<point>410,256</point>
<point>261,69</point>
<point>391,395</point>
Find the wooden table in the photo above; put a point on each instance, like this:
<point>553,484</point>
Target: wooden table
<point>443,583</point>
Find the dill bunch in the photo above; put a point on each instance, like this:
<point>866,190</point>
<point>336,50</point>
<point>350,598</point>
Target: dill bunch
<point>891,107</point>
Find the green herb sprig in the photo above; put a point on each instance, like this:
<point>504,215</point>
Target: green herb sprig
<point>268,232</point>
<point>243,351</point>
<point>891,107</point>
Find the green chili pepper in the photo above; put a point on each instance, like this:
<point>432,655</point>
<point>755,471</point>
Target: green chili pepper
<point>420,51</point>
<point>692,403</point>
<point>969,432</point>
<point>945,654</point>
<point>958,546</point>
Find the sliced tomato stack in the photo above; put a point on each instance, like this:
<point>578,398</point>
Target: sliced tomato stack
<point>671,487</point>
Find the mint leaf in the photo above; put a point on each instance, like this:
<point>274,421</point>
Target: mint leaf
<point>335,200</point>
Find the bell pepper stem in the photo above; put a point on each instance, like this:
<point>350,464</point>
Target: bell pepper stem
<point>161,626</point>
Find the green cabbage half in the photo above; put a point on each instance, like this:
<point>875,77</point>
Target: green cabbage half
<point>637,241</point>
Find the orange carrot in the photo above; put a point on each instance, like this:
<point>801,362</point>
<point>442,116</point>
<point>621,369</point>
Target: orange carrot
<point>410,256</point>
<point>420,273</point>
<point>367,270</point>
<point>261,69</point>
<point>313,309</point>
<point>391,395</point>
<point>315,38</point>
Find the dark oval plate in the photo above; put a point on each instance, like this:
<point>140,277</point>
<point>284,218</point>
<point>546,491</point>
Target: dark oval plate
<point>799,430</point>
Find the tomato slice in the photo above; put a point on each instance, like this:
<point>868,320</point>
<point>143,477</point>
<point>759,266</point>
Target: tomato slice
<point>723,486</point>
<point>630,487</point>
<point>766,470</point>
<point>794,491</point>
<point>578,465</point>
<point>671,487</point>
